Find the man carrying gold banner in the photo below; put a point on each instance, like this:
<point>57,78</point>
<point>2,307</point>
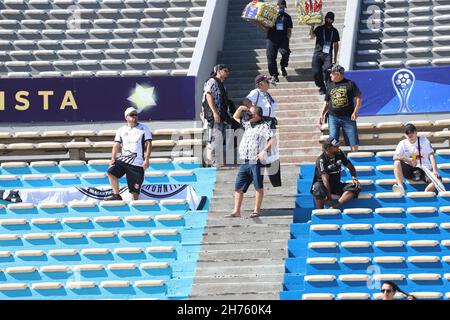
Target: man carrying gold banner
<point>278,40</point>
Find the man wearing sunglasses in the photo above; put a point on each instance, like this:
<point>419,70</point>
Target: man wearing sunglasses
<point>412,154</point>
<point>136,141</point>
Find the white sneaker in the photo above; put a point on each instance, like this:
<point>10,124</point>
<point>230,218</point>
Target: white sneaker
<point>398,188</point>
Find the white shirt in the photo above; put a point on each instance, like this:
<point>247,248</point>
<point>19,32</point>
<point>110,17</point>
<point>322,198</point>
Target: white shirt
<point>408,150</point>
<point>133,140</point>
<point>262,99</point>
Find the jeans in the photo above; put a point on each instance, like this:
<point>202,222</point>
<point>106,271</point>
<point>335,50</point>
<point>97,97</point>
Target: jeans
<point>321,62</point>
<point>335,123</point>
<point>249,172</point>
<point>272,49</point>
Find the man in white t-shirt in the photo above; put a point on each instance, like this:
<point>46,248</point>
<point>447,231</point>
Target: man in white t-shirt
<point>136,142</point>
<point>408,159</point>
<point>260,97</point>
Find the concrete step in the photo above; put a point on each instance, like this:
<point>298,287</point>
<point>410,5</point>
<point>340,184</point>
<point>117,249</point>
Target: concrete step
<point>274,244</point>
<point>298,113</point>
<point>237,270</point>
<point>303,75</point>
<point>260,59</point>
<point>241,49</point>
<point>282,121</point>
<point>308,128</point>
<point>298,144</point>
<point>298,159</point>
<point>241,278</point>
<point>277,91</point>
<point>242,262</point>
<point>261,296</point>
<point>299,151</point>
<point>232,85</point>
<point>263,220</point>
<point>262,66</point>
<point>232,289</point>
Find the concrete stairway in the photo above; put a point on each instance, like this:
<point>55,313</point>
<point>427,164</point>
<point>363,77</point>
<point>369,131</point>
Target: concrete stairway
<point>243,258</point>
<point>299,103</point>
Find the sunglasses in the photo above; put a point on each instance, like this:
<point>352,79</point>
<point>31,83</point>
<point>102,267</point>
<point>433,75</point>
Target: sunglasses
<point>133,114</point>
<point>386,291</point>
<point>410,132</point>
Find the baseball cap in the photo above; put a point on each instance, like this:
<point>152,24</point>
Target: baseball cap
<point>330,15</point>
<point>409,127</point>
<point>261,77</point>
<point>330,142</point>
<point>129,110</point>
<point>337,68</point>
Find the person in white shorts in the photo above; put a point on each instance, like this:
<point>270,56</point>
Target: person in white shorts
<point>412,153</point>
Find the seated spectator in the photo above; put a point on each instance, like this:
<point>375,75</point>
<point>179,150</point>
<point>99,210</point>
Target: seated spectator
<point>389,289</point>
<point>327,177</point>
<point>342,103</point>
<point>411,154</point>
<point>260,97</point>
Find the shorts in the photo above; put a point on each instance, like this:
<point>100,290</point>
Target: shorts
<point>348,126</point>
<point>248,173</point>
<point>319,191</point>
<point>408,173</point>
<point>135,175</point>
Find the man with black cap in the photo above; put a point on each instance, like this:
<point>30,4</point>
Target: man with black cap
<point>411,154</point>
<point>327,177</point>
<point>278,40</point>
<point>342,103</point>
<point>325,52</point>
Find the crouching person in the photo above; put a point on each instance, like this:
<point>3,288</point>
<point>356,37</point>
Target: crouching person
<point>327,177</point>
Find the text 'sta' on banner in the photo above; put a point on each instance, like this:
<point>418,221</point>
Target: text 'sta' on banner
<point>96,99</point>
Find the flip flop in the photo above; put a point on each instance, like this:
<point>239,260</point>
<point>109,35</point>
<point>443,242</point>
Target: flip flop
<point>254,215</point>
<point>232,215</point>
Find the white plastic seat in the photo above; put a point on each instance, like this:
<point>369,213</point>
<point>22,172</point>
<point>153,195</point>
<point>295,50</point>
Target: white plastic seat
<point>354,277</point>
<point>421,209</point>
<point>324,227</point>
<point>424,276</point>
<point>318,296</point>
<point>389,277</point>
<point>422,225</point>
<point>326,212</point>
<point>423,243</point>
<point>354,260</point>
<point>353,296</point>
<point>389,259</point>
<point>423,259</point>
<point>321,260</point>
<point>320,278</point>
<point>357,226</point>
<point>389,226</point>
<point>322,245</point>
<point>389,244</point>
<point>355,244</point>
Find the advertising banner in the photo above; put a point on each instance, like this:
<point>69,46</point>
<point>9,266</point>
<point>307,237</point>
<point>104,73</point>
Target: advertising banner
<point>96,99</point>
<point>400,91</point>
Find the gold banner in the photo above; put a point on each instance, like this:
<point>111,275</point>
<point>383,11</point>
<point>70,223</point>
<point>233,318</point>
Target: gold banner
<point>265,13</point>
<point>309,11</point>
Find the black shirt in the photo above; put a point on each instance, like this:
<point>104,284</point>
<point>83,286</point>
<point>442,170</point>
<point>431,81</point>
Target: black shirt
<point>341,96</point>
<point>279,32</point>
<point>330,166</point>
<point>331,35</point>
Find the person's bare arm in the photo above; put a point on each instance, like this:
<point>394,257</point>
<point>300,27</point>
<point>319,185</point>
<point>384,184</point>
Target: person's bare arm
<point>246,102</point>
<point>237,114</point>
<point>312,35</point>
<point>412,162</point>
<point>264,151</point>
<point>352,170</point>
<point>213,107</point>
<point>148,150</point>
<point>357,107</point>
<point>323,113</point>
<point>326,183</point>
<point>114,152</point>
<point>434,165</point>
<point>335,52</point>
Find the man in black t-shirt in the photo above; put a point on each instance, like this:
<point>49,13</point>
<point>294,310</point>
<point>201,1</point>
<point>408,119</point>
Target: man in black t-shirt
<point>340,104</point>
<point>325,52</point>
<point>327,177</point>
<point>278,40</point>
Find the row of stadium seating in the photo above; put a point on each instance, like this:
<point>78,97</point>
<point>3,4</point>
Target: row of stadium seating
<point>140,249</point>
<point>98,38</point>
<point>403,33</point>
<point>347,253</point>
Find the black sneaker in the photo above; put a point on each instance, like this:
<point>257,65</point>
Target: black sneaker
<point>322,91</point>
<point>284,72</point>
<point>275,79</point>
<point>113,197</point>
